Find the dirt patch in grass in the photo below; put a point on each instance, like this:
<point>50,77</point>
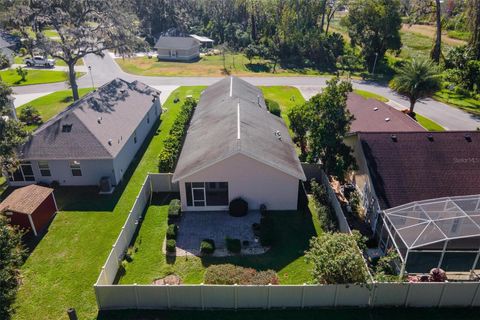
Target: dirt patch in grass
<point>429,31</point>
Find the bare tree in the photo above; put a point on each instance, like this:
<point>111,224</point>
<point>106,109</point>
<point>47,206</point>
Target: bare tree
<point>83,27</point>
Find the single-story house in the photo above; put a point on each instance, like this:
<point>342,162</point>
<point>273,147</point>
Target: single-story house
<point>94,140</point>
<point>396,168</point>
<point>422,196</point>
<point>234,148</point>
<point>31,207</point>
<point>204,41</point>
<point>177,48</point>
<point>6,49</point>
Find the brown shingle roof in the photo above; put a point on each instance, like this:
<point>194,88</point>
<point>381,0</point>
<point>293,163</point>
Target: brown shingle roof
<point>421,165</point>
<point>25,200</point>
<point>370,115</point>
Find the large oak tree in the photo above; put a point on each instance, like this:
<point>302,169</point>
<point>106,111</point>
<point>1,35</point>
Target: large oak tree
<point>83,27</point>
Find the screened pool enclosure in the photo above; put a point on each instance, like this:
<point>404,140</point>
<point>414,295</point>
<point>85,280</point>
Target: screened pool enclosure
<point>443,232</point>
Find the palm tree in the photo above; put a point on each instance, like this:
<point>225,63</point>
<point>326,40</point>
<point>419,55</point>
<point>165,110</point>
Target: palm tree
<point>416,79</point>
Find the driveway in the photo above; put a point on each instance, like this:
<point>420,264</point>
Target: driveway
<point>105,69</point>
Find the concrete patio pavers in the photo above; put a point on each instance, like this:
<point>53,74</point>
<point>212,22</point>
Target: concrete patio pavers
<point>216,225</point>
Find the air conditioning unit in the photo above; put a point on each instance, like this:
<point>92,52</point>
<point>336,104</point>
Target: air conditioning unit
<point>105,185</point>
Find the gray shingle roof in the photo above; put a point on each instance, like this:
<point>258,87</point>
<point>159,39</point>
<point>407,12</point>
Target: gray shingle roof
<point>176,43</point>
<point>113,111</point>
<point>4,43</point>
<point>232,118</point>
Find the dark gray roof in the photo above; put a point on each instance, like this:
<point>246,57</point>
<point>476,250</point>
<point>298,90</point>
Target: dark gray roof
<point>101,123</point>
<point>4,43</point>
<point>176,43</point>
<point>232,118</point>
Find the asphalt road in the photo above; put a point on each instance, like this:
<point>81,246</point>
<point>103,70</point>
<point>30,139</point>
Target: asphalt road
<point>105,69</point>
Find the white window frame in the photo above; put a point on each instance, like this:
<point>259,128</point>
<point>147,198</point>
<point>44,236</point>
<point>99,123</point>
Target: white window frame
<point>75,165</point>
<point>46,167</point>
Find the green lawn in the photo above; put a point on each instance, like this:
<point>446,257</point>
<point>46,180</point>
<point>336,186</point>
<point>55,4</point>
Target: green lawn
<point>286,97</point>
<point>213,66</point>
<point>293,231</point>
<point>370,95</point>
<point>428,124</point>
<point>53,103</point>
<point>465,103</point>
<point>62,269</point>
<point>34,76</point>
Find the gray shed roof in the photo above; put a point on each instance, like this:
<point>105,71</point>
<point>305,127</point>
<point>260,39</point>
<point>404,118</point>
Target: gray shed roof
<point>100,124</point>
<point>4,43</point>
<point>232,118</point>
<point>176,43</point>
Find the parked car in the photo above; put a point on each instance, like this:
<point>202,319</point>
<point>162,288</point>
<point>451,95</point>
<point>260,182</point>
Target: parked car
<point>39,61</point>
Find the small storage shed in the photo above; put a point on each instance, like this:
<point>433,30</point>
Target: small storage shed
<point>31,207</point>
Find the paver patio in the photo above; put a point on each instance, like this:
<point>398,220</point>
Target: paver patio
<point>216,225</point>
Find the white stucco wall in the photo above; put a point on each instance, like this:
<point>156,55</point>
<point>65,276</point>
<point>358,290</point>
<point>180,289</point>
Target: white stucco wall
<point>92,171</point>
<point>254,181</point>
<point>125,156</point>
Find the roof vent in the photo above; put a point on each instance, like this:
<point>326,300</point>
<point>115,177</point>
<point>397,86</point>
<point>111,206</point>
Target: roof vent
<point>109,142</point>
<point>258,100</point>
<point>387,119</point>
<point>375,109</point>
<point>430,137</point>
<point>99,120</point>
<point>66,128</point>
<point>278,134</point>
<point>468,138</point>
<point>123,91</point>
<point>394,137</point>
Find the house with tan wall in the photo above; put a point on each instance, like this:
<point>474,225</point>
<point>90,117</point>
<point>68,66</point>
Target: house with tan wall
<point>234,148</point>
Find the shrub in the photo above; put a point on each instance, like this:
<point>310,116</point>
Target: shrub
<point>336,259</point>
<point>238,207</point>
<point>30,115</point>
<point>22,72</point>
<point>230,274</point>
<point>207,246</point>
<point>23,51</point>
<point>4,62</point>
<point>171,245</point>
<point>172,231</point>
<point>273,107</point>
<point>318,192</point>
<point>233,245</point>
<point>174,209</point>
<point>169,154</point>
<point>325,214</point>
<point>267,232</point>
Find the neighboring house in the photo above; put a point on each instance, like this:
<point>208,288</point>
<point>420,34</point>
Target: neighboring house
<point>6,48</point>
<point>204,41</point>
<point>402,167</point>
<point>95,139</point>
<point>177,48</point>
<point>235,148</point>
<point>31,207</point>
<point>422,196</point>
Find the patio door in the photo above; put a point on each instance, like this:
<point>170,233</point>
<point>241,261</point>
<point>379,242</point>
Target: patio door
<point>198,194</point>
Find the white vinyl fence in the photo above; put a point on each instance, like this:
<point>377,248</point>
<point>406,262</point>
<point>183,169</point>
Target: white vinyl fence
<point>448,294</point>
<point>162,182</point>
<point>342,221</point>
<point>110,296</point>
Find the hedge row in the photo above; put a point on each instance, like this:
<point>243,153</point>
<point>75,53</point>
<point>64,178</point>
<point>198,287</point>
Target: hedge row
<point>172,145</point>
<point>231,274</point>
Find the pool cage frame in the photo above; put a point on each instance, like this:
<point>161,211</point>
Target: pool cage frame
<point>436,225</point>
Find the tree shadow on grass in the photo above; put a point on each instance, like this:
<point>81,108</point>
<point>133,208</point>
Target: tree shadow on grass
<point>258,67</point>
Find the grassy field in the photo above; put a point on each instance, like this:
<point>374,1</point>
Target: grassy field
<point>428,124</point>
<point>370,95</point>
<point>61,270</point>
<point>53,103</point>
<point>34,76</point>
<point>236,64</point>
<point>450,38</point>
<point>286,97</point>
<point>465,103</point>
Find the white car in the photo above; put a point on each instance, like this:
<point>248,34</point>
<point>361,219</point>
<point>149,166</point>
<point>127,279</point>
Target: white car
<point>39,61</point>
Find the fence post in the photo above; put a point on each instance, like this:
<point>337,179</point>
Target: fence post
<point>235,295</point>
<point>168,296</point>
<point>407,295</point>
<point>136,294</point>
<point>303,295</point>
<point>335,296</point>
<point>268,295</point>
<point>444,284</point>
<point>201,296</point>
<point>371,301</point>
<point>475,295</point>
